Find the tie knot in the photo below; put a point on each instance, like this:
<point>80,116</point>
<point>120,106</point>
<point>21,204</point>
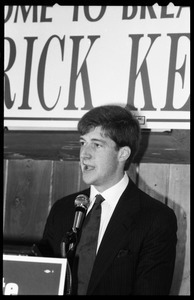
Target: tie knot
<point>99,199</point>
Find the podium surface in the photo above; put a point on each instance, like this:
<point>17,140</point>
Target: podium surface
<point>31,275</point>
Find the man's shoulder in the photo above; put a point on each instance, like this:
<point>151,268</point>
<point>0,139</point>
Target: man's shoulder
<point>150,203</point>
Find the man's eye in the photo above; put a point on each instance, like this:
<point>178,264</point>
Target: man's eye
<point>98,145</point>
<point>81,143</point>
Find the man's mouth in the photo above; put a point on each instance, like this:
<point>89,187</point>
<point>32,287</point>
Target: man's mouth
<point>88,167</point>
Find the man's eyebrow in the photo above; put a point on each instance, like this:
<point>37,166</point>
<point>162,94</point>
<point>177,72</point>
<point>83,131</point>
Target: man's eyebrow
<point>94,140</point>
<point>82,138</point>
<point>98,140</point>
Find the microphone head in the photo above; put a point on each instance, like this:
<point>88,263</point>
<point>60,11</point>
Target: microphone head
<point>82,201</point>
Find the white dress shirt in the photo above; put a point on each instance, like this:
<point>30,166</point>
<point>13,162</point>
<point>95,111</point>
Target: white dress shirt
<point>111,197</point>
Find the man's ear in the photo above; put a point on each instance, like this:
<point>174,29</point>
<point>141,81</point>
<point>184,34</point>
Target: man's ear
<point>124,153</point>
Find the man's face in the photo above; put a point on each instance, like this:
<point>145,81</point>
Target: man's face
<point>99,160</point>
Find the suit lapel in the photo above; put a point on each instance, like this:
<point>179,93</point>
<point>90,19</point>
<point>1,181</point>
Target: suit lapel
<point>121,223</point>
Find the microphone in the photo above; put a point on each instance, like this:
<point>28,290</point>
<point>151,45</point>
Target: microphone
<point>81,203</point>
<point>70,239</point>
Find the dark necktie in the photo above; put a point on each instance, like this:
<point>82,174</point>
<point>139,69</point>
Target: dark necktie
<point>86,249</point>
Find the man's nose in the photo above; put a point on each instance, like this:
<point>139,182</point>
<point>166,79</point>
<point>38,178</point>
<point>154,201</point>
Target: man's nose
<point>85,151</point>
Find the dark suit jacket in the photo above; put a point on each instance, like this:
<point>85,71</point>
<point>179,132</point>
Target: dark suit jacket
<point>137,252</point>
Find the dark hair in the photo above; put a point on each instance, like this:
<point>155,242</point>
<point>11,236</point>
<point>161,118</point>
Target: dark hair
<point>117,122</point>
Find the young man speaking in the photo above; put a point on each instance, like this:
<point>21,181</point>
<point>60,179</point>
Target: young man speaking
<point>136,235</point>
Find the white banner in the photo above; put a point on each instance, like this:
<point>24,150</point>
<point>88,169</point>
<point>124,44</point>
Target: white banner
<point>61,61</point>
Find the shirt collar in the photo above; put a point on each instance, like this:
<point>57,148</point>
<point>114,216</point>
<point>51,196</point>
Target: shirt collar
<point>112,194</point>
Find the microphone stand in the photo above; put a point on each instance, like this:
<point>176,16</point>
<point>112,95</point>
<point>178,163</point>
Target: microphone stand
<point>70,239</point>
<point>67,247</point>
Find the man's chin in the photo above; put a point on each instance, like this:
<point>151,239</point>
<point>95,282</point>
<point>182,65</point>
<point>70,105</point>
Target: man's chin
<point>87,178</point>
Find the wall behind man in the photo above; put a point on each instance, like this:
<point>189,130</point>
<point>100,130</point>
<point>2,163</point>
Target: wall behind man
<point>40,168</point>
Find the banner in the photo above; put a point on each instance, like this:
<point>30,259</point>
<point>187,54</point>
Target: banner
<point>61,61</point>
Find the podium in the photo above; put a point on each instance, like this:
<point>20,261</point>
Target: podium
<point>32,275</point>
